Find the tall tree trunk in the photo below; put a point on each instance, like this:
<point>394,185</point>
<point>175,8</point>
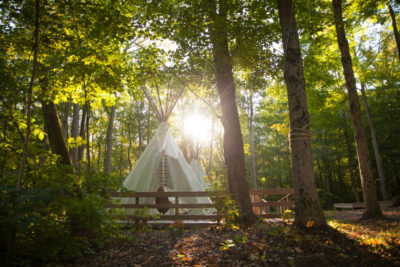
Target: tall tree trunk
<point>140,126</point>
<point>307,205</point>
<point>148,129</point>
<point>129,145</point>
<point>364,160</point>
<point>350,156</point>
<point>233,140</point>
<point>65,118</point>
<point>395,30</point>
<point>99,157</point>
<point>252,145</point>
<point>74,134</point>
<point>278,155</point>
<point>382,179</point>
<point>107,163</point>
<point>54,131</point>
<point>82,134</point>
<point>210,158</point>
<point>25,149</point>
<point>88,166</point>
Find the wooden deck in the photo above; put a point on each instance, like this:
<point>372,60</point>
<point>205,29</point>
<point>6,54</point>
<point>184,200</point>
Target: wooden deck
<point>360,205</point>
<point>260,207</point>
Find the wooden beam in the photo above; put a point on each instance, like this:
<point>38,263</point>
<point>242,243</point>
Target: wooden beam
<point>160,117</point>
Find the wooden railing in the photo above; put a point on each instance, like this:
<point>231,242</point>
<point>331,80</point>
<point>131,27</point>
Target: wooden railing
<point>261,208</point>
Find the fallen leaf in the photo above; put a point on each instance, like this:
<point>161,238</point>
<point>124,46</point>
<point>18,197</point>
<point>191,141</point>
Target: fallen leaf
<point>253,257</point>
<point>298,250</point>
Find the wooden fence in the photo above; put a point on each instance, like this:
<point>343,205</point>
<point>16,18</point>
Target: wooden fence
<point>260,207</point>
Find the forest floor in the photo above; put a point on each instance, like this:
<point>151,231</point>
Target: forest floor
<point>274,243</point>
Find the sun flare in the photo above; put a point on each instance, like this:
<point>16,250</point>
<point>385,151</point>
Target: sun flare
<point>197,127</point>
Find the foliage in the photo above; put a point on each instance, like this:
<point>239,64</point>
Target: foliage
<point>224,204</point>
<point>56,220</point>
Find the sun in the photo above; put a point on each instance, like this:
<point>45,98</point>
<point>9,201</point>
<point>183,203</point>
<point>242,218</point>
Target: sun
<point>197,127</point>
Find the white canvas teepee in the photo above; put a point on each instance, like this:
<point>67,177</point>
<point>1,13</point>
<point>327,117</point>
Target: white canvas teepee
<point>163,165</point>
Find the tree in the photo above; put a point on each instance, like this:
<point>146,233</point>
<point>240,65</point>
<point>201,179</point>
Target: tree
<point>307,205</point>
<point>74,134</point>
<point>395,30</point>
<point>252,143</point>
<point>107,161</point>
<point>364,159</point>
<point>54,130</point>
<point>375,146</point>
<point>233,140</point>
<point>30,92</point>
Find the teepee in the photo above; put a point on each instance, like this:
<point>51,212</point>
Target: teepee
<point>162,167</point>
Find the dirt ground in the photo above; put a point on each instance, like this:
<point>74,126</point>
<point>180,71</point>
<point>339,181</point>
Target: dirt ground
<point>392,213</point>
<point>270,244</point>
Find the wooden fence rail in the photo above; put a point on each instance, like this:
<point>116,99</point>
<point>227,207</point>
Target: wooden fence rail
<point>260,206</point>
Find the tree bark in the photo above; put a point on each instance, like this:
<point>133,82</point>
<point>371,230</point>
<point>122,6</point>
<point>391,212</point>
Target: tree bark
<point>25,149</point>
<point>129,145</point>
<point>140,127</point>
<point>307,205</point>
<point>252,145</point>
<point>233,140</point>
<point>65,118</point>
<point>374,140</point>
<point>54,131</point>
<point>395,30</point>
<point>107,163</point>
<point>210,157</point>
<point>364,160</point>
<point>350,156</point>
<point>88,166</point>
<point>74,134</point>
<point>82,134</point>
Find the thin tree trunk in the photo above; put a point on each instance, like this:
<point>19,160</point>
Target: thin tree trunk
<point>140,127</point>
<point>99,157</point>
<point>74,134</point>
<point>278,154</point>
<point>88,174</point>
<point>307,205</point>
<point>350,156</point>
<point>65,119</point>
<point>121,157</point>
<point>233,140</point>
<point>25,149</point>
<point>107,163</point>
<point>129,145</point>
<point>364,159</point>
<point>252,145</point>
<point>210,158</point>
<point>148,129</point>
<point>42,159</point>
<point>82,134</point>
<point>382,179</point>
<point>395,30</point>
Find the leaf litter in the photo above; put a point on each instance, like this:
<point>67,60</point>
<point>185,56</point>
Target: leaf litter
<point>273,243</point>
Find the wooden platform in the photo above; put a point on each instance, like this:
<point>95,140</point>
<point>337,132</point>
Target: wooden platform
<point>260,207</point>
<point>360,205</point>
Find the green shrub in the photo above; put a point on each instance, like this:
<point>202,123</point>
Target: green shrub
<point>224,204</point>
<point>55,221</point>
